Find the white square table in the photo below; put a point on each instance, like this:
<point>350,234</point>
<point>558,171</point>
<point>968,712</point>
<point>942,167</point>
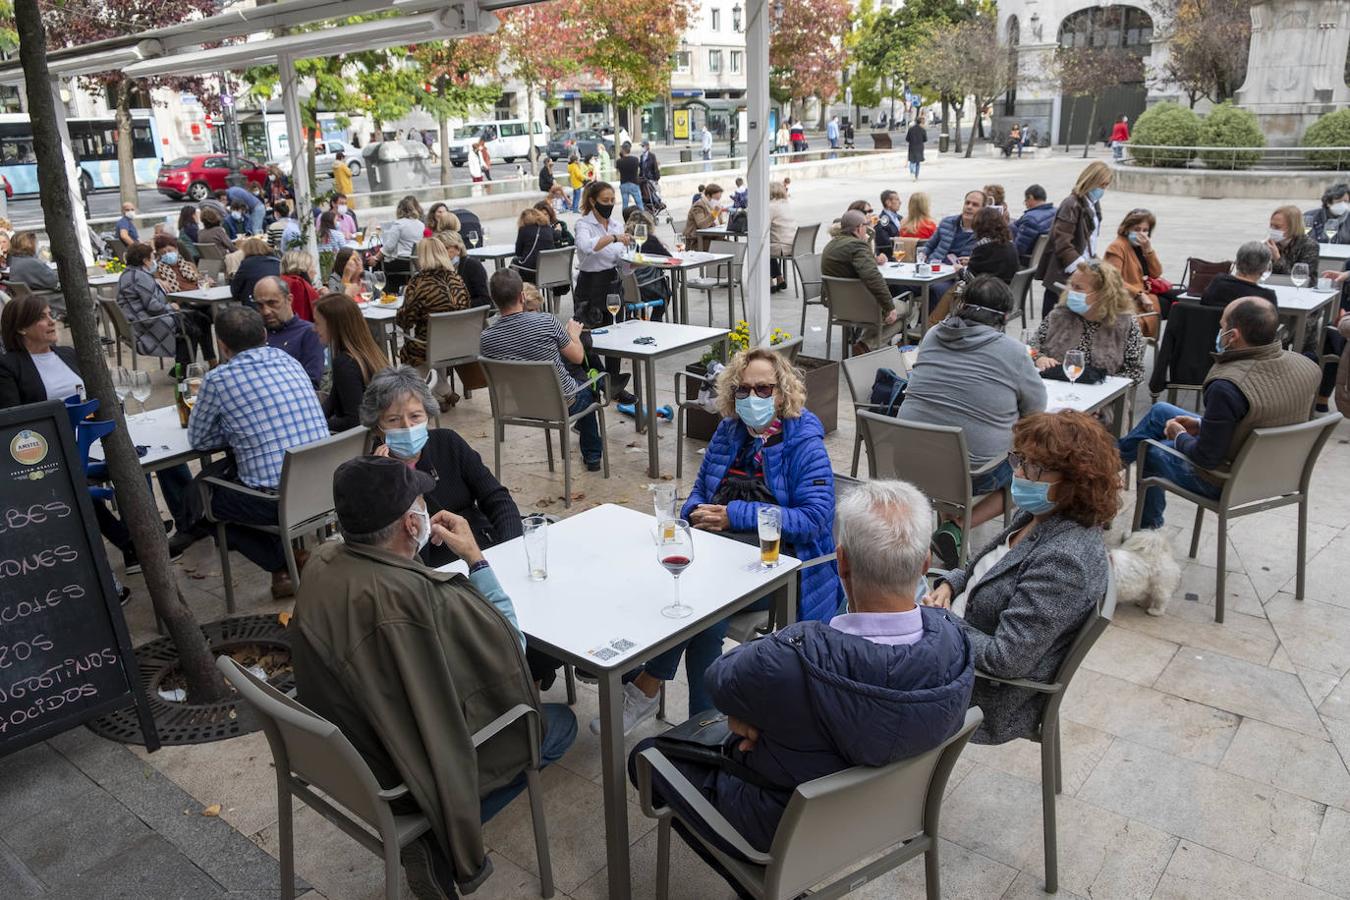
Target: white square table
<point>203,296</point>
<point>1090,398</point>
<point>380,318</point>
<point>921,276</point>
<point>498,253</point>
<point>1298,305</point>
<point>157,429</point>
<point>617,340</point>
<point>600,609</point>
<point>1332,256</point>
<point>678,266</point>
<point>720,233</point>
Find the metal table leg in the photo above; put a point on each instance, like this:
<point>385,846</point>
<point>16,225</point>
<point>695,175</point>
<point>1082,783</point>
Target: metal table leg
<point>1300,329</point>
<point>638,375</point>
<point>612,778</point>
<point>649,412</point>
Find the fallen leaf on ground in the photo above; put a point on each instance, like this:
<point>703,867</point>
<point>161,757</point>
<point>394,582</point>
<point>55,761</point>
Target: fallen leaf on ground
<point>212,810</point>
<point>284,618</point>
<point>544,501</point>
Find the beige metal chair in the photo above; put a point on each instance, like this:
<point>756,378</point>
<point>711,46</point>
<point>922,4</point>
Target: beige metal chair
<point>803,245</point>
<point>304,498</point>
<point>315,762</point>
<point>452,340</point>
<point>934,459</point>
<point>1052,766</point>
<point>809,281</point>
<point>727,276</point>
<point>852,306</point>
<point>831,824</point>
<point>860,372</point>
<point>1273,469</point>
<point>124,331</point>
<point>528,394</point>
<point>210,261</point>
<point>555,271</point>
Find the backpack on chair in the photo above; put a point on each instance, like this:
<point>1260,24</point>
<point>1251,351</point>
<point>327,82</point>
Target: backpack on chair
<point>888,392</point>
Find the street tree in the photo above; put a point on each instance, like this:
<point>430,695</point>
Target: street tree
<point>1091,72</point>
<point>1208,43</point>
<point>806,50</point>
<point>629,43</point>
<point>448,72</point>
<point>541,45</point>
<point>134,500</point>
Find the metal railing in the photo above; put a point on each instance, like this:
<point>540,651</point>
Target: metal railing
<point>1237,158</point>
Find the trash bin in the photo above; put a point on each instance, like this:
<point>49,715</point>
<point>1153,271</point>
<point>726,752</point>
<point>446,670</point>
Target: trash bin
<point>686,156</point>
<point>396,165</point>
<point>942,142</point>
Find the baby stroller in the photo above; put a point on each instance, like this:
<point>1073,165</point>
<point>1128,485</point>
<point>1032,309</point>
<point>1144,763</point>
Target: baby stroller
<point>651,200</point>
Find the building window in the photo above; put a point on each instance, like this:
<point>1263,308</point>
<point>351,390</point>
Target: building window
<point>715,61</point>
<point>682,61</point>
<point>716,20</point>
<point>1108,27</point>
<point>735,62</point>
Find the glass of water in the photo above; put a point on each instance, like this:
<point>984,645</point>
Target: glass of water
<point>121,379</point>
<point>140,387</point>
<point>536,547</point>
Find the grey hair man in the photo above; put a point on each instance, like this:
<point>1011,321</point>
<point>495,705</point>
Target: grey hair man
<point>287,331</point>
<point>885,681</point>
<point>1251,264</point>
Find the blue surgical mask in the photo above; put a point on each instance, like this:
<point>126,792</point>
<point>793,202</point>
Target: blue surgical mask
<point>1032,496</point>
<point>1218,342</point>
<point>1133,238</point>
<point>1095,195</point>
<point>237,216</point>
<point>1077,301</point>
<point>754,411</point>
<point>170,258</point>
<point>405,443</point>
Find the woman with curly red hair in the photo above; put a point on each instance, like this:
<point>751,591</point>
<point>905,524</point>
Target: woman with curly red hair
<point>1024,597</point>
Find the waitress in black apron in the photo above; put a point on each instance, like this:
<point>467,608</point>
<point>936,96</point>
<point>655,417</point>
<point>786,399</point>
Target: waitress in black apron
<point>601,244</point>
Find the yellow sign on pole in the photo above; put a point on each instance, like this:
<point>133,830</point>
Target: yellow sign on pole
<point>681,124</point>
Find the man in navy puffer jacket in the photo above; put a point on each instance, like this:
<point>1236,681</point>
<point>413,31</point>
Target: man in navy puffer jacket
<point>885,681</point>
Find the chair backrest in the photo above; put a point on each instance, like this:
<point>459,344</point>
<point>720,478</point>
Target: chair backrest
<point>861,371</point>
<point>554,267</point>
<point>306,488</point>
<point>737,251</point>
<point>909,248</point>
<point>1281,280</point>
<point>453,336</point>
<point>808,269</point>
<point>87,433</point>
<point>1277,461</point>
<point>850,301</point>
<point>524,389</point>
<point>308,746</point>
<point>210,251</point>
<point>1021,283</point>
<point>933,458</point>
<point>19,289</point>
<point>1088,634</point>
<point>121,326</point>
<point>804,241</point>
<point>628,286</point>
<point>1199,273</point>
<point>78,410</point>
<point>1037,251</point>
<point>839,820</point>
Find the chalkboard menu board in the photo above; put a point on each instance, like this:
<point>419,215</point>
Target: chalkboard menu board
<point>65,656</point>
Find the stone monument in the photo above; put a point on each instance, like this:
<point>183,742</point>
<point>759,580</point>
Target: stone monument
<point>1296,68</point>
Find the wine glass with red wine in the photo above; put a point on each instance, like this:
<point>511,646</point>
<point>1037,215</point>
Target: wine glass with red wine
<point>675,551</point>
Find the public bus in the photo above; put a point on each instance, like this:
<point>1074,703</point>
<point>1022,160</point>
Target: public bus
<point>94,141</point>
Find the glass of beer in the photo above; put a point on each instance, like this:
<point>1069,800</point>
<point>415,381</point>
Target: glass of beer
<point>898,249</point>
<point>770,535</point>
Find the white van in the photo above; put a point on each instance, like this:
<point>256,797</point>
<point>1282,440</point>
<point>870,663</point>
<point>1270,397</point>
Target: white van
<point>508,139</point>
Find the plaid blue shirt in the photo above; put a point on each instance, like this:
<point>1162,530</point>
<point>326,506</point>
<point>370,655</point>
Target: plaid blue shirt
<point>260,404</point>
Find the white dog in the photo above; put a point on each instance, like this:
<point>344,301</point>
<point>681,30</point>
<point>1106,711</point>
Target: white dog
<point>1145,571</point>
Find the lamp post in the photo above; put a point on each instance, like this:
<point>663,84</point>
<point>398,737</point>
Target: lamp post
<point>736,18</point>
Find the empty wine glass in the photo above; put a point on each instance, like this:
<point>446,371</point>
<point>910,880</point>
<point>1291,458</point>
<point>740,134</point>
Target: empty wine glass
<point>140,387</point>
<point>675,551</point>
<point>1074,361</point>
<point>1299,275</point>
<point>121,379</point>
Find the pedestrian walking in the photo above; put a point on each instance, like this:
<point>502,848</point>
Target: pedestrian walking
<point>916,138</point>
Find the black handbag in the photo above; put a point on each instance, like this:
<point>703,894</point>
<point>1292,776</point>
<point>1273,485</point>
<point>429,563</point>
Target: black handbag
<point>738,222</point>
<point>707,740</point>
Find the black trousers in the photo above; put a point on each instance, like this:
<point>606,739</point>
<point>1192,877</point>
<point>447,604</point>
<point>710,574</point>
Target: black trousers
<point>589,305</point>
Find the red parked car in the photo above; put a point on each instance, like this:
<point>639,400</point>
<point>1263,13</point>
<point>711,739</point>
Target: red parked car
<point>198,177</point>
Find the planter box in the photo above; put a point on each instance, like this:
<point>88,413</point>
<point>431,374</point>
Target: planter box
<point>822,397</point>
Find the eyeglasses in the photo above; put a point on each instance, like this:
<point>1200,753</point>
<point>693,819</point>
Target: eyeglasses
<point>763,391</point>
<point>1029,469</point>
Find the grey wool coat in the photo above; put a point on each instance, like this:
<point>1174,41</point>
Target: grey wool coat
<point>1022,617</point>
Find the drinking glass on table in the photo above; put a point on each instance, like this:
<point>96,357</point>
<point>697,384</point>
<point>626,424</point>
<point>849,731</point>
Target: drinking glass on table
<point>663,502</point>
<point>1299,275</point>
<point>613,302</point>
<point>679,246</point>
<point>898,249</point>
<point>1074,361</point>
<point>195,373</point>
<point>770,521</point>
<point>121,379</point>
<point>378,279</point>
<point>140,387</point>
<point>535,537</point>
<point>675,551</point>
<point>1029,338</point>
<point>640,233</point>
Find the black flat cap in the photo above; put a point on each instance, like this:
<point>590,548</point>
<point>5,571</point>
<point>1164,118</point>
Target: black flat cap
<point>370,492</point>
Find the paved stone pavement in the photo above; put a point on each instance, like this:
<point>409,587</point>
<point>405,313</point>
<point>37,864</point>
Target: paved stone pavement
<point>1201,760</point>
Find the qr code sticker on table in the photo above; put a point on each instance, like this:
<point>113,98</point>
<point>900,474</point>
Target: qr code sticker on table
<point>621,644</point>
<point>604,654</point>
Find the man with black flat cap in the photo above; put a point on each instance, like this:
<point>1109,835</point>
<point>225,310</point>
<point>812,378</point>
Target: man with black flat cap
<point>409,662</point>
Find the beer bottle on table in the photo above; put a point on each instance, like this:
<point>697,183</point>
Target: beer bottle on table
<point>180,395</point>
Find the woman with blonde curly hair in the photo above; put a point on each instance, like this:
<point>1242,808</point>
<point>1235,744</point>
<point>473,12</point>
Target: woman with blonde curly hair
<point>1023,598</point>
<point>1096,315</point>
<point>769,450</point>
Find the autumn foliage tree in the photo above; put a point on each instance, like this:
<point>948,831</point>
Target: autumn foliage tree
<point>541,45</point>
<point>629,44</point>
<point>447,71</point>
<point>1089,72</point>
<point>806,49</point>
<point>965,59</point>
<point>1208,45</point>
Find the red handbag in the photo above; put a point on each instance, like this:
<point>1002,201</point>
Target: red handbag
<point>1156,286</point>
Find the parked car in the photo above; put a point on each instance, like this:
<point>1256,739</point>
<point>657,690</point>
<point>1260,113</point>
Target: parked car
<point>325,154</point>
<point>507,139</point>
<point>584,141</point>
<point>197,177</point>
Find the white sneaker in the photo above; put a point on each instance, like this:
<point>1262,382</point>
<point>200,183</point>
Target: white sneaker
<point>637,708</point>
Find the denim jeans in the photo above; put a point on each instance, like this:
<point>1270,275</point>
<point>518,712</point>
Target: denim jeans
<point>1178,471</point>
<point>631,192</point>
<point>258,547</point>
<point>699,653</point>
<point>255,219</point>
<point>914,169</point>
<point>576,199</point>
<point>994,480</point>
<point>588,426</point>
<point>560,729</point>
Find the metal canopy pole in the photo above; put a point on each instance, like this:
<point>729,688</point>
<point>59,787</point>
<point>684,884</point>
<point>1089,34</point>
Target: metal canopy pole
<point>756,269</point>
<point>295,144</point>
<point>72,176</point>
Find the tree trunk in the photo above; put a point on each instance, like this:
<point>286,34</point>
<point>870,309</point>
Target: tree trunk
<point>443,127</point>
<point>1092,120</point>
<point>309,149</point>
<point>134,500</point>
<point>529,126</point>
<point>956,132</point>
<point>970,144</point>
<point>126,158</point>
<point>891,121</point>
<point>1068,132</point>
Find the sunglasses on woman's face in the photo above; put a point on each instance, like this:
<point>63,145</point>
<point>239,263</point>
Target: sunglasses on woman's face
<point>763,391</point>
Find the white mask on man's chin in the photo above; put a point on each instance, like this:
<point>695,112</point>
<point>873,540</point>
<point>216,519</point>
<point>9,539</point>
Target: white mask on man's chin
<point>424,527</point>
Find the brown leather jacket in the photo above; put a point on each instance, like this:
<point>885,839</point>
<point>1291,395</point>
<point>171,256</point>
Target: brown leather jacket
<point>1075,220</point>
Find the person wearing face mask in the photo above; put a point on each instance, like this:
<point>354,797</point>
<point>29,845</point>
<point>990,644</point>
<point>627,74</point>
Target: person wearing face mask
<point>1253,383</point>
<point>1330,222</point>
<point>884,680</point>
<point>174,273</point>
<point>1132,255</point>
<point>343,217</point>
<point>1289,243</point>
<point>768,450</point>
<point>25,266</point>
<point>1023,598</point>
<point>1075,232</point>
<point>849,255</point>
<point>384,646</point>
<point>601,245</point>
<point>125,227</point>
<point>160,329</point>
<point>250,204</point>
<point>1095,315</point>
<point>213,230</point>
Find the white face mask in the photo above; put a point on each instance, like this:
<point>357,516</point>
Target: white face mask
<point>1275,234</point>
<point>1340,208</point>
<point>342,209</point>
<point>424,530</point>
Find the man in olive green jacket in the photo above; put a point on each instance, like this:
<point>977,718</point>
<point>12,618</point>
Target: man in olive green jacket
<point>410,662</point>
<point>849,255</point>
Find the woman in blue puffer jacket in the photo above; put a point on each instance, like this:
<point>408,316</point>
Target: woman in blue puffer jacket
<point>768,450</point>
